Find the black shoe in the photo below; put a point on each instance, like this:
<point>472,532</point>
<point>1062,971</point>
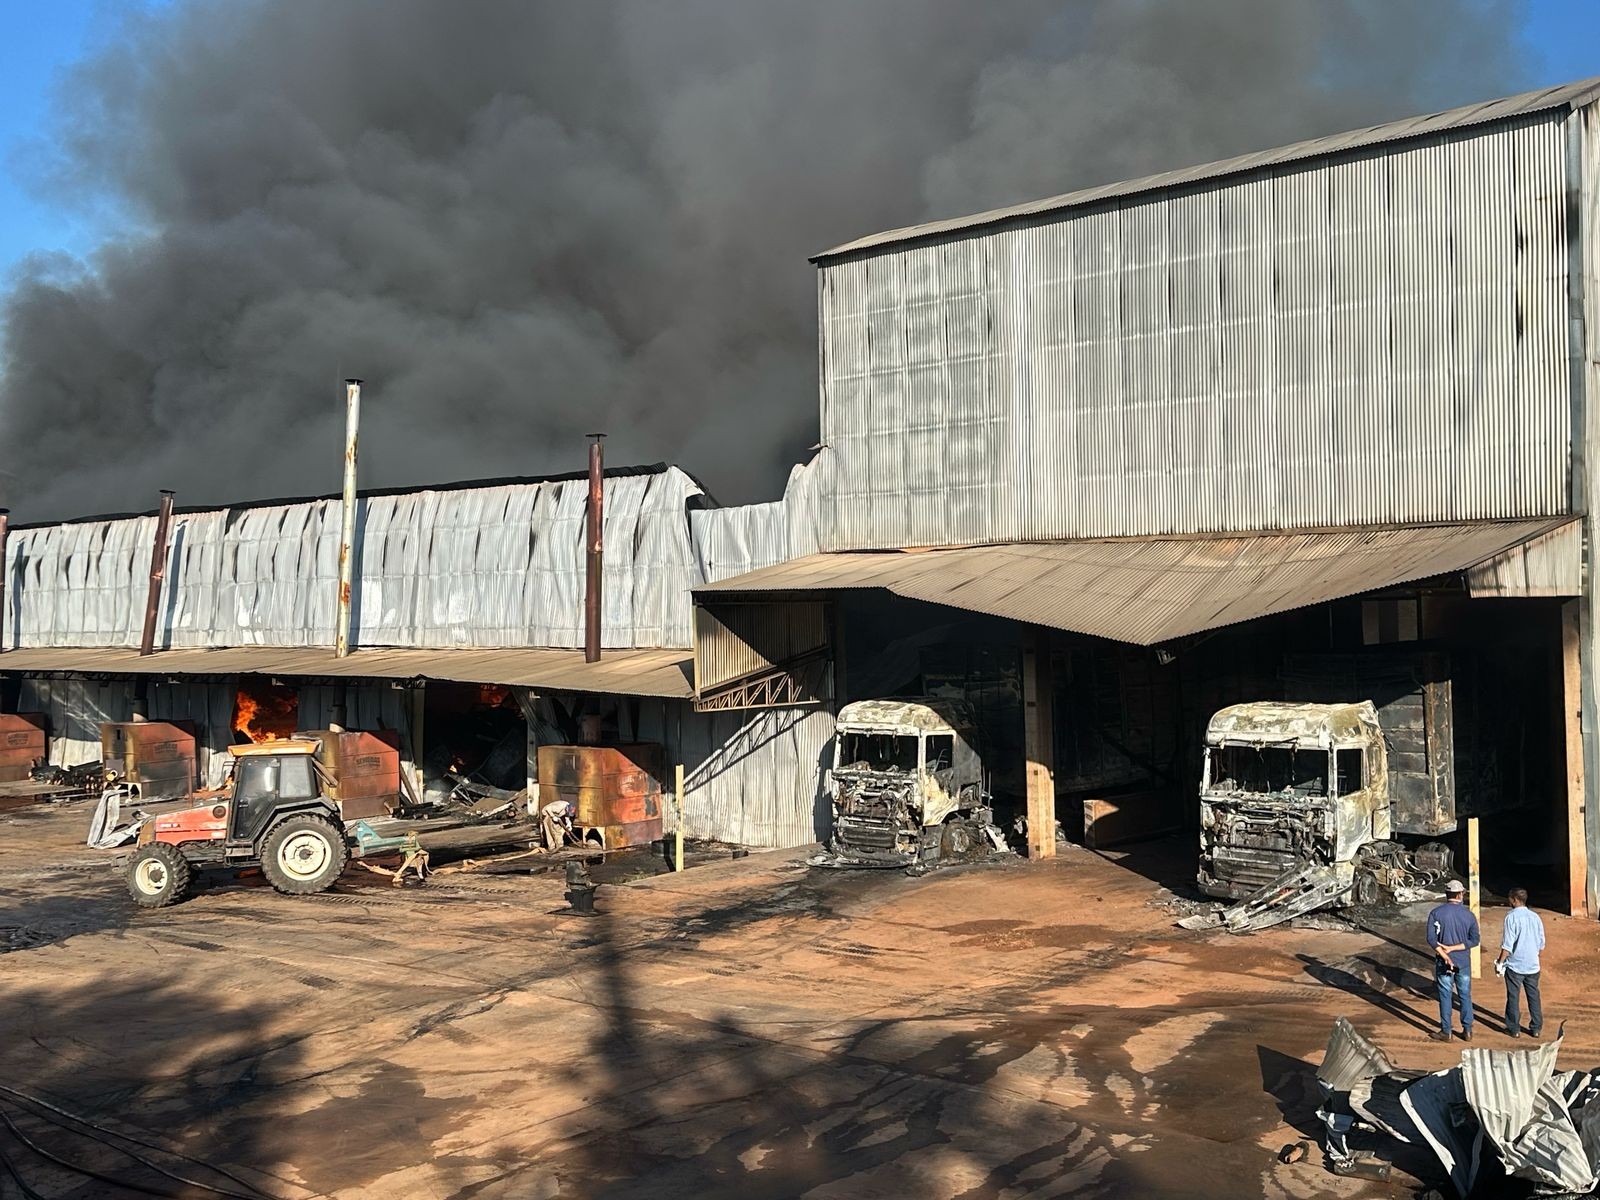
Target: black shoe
<point>1513,1033</point>
<point>1533,1033</point>
<point>1439,1035</point>
<point>1466,1034</point>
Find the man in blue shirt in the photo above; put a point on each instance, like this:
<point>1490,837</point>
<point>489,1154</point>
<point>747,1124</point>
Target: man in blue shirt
<point>1453,932</point>
<point>1520,942</point>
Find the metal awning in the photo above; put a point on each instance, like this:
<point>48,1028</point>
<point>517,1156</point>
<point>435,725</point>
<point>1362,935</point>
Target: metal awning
<point>1148,590</point>
<point>620,672</point>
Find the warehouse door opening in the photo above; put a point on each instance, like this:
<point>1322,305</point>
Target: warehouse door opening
<point>476,742</point>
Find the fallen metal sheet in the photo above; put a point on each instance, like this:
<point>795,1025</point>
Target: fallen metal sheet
<point>1376,1100</point>
<point>1350,1058</point>
<point>1437,1105</point>
<point>1523,1110</point>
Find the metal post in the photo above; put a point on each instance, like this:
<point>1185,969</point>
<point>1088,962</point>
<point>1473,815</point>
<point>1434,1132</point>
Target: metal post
<point>1472,887</point>
<point>158,570</point>
<point>595,541</point>
<point>347,531</point>
<point>5,522</point>
<point>677,837</point>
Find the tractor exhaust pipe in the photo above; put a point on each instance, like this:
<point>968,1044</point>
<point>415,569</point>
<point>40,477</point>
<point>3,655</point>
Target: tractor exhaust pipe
<point>5,523</point>
<point>347,531</point>
<point>595,543</point>
<point>158,570</point>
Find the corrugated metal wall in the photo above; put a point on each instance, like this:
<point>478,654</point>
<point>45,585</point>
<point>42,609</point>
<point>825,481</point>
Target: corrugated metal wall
<point>751,778</point>
<point>1379,338</point>
<point>76,708</point>
<point>733,640</point>
<point>732,541</point>
<point>480,567</point>
<point>1584,350</point>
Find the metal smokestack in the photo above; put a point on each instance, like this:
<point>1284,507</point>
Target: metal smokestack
<point>595,543</point>
<point>347,532</point>
<point>5,522</point>
<point>158,570</point>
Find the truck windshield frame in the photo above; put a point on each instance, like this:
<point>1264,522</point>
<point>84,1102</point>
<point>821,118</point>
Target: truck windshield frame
<point>863,751</point>
<point>1253,769</point>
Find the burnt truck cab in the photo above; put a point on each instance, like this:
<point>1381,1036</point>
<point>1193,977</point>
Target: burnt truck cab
<point>907,785</point>
<point>1285,785</point>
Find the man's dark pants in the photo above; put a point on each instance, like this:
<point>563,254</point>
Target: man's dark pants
<point>1529,984</point>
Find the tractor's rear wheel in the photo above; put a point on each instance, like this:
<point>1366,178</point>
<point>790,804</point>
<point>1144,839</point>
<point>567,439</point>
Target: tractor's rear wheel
<point>158,875</point>
<point>303,855</point>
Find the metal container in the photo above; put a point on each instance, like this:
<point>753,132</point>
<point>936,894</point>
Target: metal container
<point>615,791</point>
<point>363,768</point>
<point>159,756</point>
<point>22,743</point>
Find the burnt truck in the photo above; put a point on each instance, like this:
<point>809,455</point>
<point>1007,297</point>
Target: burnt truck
<point>1297,812</point>
<point>907,786</point>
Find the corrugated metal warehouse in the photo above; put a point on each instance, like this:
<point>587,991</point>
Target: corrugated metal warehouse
<point>471,584</point>
<point>1266,428</point>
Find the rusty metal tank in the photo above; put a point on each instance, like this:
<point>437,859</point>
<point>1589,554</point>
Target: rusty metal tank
<point>22,743</point>
<point>159,756</point>
<point>364,769</point>
<point>614,790</point>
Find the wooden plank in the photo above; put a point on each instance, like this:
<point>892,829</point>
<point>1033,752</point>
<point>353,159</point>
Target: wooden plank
<point>1039,745</point>
<point>1572,707</point>
<point>1472,888</point>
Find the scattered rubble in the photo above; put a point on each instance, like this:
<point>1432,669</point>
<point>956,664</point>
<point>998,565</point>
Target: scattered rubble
<point>1500,1113</point>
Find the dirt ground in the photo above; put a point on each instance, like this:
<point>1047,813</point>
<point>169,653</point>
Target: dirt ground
<point>749,1028</point>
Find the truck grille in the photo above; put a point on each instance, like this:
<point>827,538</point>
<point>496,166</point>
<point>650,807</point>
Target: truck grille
<point>866,834</point>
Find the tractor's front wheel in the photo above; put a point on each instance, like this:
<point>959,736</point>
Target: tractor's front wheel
<point>303,855</point>
<point>158,875</point>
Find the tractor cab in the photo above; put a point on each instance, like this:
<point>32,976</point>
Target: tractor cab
<point>274,814</point>
<point>269,778</point>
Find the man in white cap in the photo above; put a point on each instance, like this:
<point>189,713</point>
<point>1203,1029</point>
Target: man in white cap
<point>1453,932</point>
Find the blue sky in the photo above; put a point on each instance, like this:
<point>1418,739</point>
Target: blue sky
<point>40,38</point>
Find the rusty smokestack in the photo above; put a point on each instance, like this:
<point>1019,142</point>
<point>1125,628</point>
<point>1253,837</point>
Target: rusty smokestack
<point>347,531</point>
<point>5,523</point>
<point>158,570</point>
<point>594,541</point>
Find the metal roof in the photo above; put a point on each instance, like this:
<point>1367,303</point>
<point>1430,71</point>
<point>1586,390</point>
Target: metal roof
<point>1567,95</point>
<point>1149,590</point>
<point>664,673</point>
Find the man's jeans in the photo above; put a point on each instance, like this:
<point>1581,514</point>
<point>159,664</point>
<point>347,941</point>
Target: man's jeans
<point>1530,984</point>
<point>1461,985</point>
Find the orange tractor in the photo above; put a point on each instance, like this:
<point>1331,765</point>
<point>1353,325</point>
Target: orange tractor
<point>276,816</point>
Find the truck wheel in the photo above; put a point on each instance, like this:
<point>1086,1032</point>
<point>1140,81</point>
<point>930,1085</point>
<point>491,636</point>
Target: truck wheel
<point>158,875</point>
<point>956,841</point>
<point>303,855</point>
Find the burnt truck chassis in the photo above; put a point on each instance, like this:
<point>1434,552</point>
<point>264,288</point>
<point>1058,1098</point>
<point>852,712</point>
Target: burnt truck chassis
<point>907,789</point>
<point>1307,822</point>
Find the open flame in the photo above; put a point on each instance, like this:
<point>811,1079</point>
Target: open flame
<point>492,695</point>
<point>265,712</point>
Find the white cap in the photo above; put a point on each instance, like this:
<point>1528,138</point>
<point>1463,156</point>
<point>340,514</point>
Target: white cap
<point>1454,886</point>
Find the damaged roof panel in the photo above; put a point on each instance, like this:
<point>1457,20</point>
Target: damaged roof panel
<point>1150,590</point>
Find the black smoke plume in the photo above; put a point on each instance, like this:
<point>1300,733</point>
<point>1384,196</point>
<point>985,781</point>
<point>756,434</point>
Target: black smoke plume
<point>523,220</point>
